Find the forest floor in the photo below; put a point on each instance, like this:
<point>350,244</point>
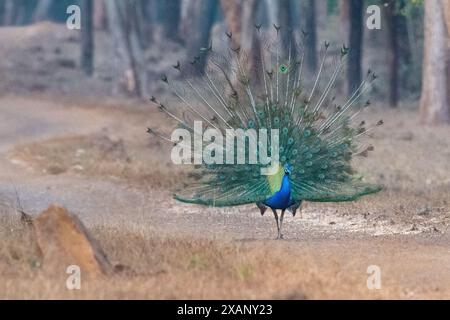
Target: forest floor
<point>96,160</point>
<point>93,156</point>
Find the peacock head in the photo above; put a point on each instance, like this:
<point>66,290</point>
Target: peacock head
<point>287,169</point>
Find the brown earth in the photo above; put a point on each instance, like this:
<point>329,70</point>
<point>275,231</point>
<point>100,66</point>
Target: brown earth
<point>118,180</point>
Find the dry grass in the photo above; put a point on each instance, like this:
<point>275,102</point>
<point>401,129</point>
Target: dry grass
<point>175,267</point>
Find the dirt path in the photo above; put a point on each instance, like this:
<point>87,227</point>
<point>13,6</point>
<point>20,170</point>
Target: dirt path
<point>418,263</point>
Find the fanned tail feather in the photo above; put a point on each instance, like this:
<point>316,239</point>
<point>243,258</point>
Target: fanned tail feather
<point>316,134</point>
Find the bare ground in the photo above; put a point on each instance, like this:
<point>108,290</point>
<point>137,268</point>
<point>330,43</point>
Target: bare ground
<point>95,159</point>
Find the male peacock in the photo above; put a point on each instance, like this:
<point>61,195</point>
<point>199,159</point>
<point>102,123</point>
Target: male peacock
<point>265,89</point>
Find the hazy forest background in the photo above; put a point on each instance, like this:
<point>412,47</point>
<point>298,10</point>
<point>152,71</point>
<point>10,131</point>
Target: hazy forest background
<point>128,44</point>
<point>75,107</point>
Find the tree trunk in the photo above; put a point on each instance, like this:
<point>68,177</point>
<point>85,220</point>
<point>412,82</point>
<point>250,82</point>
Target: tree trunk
<point>172,16</point>
<point>249,41</point>
<point>137,49</point>
<point>232,13</point>
<point>99,15</point>
<point>272,11</point>
<point>42,10</point>
<point>188,8</point>
<point>321,14</point>
<point>87,36</point>
<point>240,21</point>
<point>26,9</point>
<point>146,21</point>
<point>354,73</point>
<point>132,73</point>
<point>447,20</point>
<point>434,105</point>
<point>199,35</point>
<point>344,19</point>
<point>311,38</point>
<point>286,21</point>
<point>394,53</point>
<point>10,12</point>
<point>2,12</point>
<point>247,24</point>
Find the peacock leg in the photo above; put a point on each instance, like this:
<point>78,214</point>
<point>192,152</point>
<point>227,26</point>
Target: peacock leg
<point>280,235</point>
<point>276,219</point>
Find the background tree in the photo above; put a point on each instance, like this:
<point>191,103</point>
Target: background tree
<point>172,16</point>
<point>199,31</point>
<point>434,102</point>
<point>286,22</point>
<point>131,71</point>
<point>87,36</point>
<point>355,40</point>
<point>393,19</point>
<point>311,30</point>
<point>232,10</point>
<point>42,10</point>
<point>99,15</point>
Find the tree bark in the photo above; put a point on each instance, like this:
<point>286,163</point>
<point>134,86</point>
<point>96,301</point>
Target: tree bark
<point>10,12</point>
<point>232,10</point>
<point>172,16</point>
<point>272,11</point>
<point>199,34</point>
<point>187,12</point>
<point>87,36</point>
<point>321,14</point>
<point>99,15</point>
<point>434,105</point>
<point>447,21</point>
<point>248,40</point>
<point>136,46</point>
<point>394,53</point>
<point>354,73</point>
<point>311,39</point>
<point>132,73</point>
<point>2,12</point>
<point>344,19</point>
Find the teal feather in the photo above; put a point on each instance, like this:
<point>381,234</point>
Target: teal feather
<point>317,139</point>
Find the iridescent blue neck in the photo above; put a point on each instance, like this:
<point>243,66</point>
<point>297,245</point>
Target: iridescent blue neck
<point>285,185</point>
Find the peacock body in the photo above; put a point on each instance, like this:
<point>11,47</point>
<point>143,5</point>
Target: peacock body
<point>266,88</point>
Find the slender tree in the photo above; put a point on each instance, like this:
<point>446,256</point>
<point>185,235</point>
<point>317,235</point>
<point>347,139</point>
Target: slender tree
<point>232,10</point>
<point>131,71</point>
<point>248,38</point>
<point>321,14</point>
<point>188,8</point>
<point>272,7</point>
<point>240,18</point>
<point>10,12</point>
<point>87,36</point>
<point>344,19</point>
<point>354,73</point>
<point>393,19</point>
<point>447,20</point>
<point>172,16</point>
<point>99,14</point>
<point>199,31</point>
<point>434,102</point>
<point>2,11</point>
<point>42,10</point>
<point>311,38</point>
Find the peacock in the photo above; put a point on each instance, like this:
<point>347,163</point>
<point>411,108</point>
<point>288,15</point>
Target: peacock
<point>267,87</point>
